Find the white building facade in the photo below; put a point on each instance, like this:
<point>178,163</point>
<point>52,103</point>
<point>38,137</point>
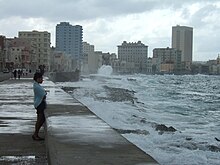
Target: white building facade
<point>133,57</point>
<point>42,41</point>
<point>88,52</point>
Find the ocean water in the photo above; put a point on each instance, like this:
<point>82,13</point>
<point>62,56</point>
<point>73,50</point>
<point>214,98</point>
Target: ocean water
<point>173,118</point>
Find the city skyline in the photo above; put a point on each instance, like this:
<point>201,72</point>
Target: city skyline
<point>107,24</point>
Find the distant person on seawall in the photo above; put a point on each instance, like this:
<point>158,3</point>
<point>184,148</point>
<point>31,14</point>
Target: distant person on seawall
<point>39,104</point>
<point>15,74</point>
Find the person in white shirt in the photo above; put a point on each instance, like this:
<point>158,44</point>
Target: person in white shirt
<point>39,104</point>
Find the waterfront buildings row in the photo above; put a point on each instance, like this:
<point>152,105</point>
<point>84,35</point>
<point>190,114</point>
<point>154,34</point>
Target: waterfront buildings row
<point>31,49</point>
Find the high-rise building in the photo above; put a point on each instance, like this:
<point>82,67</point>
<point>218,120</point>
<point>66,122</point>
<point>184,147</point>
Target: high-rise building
<point>69,39</point>
<point>182,39</point>
<point>42,41</point>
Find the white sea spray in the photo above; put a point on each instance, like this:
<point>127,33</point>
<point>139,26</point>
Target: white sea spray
<point>189,104</point>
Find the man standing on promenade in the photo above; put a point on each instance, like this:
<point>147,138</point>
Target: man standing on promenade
<point>39,104</point>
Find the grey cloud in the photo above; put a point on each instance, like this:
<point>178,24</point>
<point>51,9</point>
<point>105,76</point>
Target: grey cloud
<point>197,20</point>
<point>208,43</point>
<point>104,12</point>
<point>57,10</point>
<point>76,9</point>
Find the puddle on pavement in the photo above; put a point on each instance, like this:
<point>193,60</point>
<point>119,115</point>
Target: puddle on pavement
<point>21,159</point>
<point>17,158</point>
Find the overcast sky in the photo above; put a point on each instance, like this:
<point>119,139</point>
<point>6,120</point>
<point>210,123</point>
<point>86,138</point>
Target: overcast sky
<point>107,23</point>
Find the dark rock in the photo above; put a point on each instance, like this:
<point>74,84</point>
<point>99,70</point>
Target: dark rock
<point>163,128</point>
<point>140,102</point>
<point>188,138</point>
<point>131,79</point>
<point>143,120</point>
<point>137,131</point>
<point>213,148</point>
<point>217,139</point>
<point>119,94</point>
<point>69,89</point>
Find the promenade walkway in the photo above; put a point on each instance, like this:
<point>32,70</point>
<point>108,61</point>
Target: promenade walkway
<point>74,135</point>
<point>17,118</point>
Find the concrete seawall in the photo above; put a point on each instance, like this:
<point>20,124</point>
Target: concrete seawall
<point>73,134</point>
<point>4,76</point>
<point>64,76</point>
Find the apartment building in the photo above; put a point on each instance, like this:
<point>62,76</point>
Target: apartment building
<point>133,57</point>
<point>88,50</point>
<point>42,40</point>
<point>20,53</point>
<point>88,53</point>
<point>182,39</point>
<point>168,60</point>
<point>69,39</point>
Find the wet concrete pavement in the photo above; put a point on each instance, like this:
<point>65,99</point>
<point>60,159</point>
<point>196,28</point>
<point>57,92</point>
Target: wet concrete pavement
<point>74,135</point>
<point>17,118</point>
<point>19,149</point>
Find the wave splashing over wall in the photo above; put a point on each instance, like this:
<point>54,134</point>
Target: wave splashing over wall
<point>105,70</point>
